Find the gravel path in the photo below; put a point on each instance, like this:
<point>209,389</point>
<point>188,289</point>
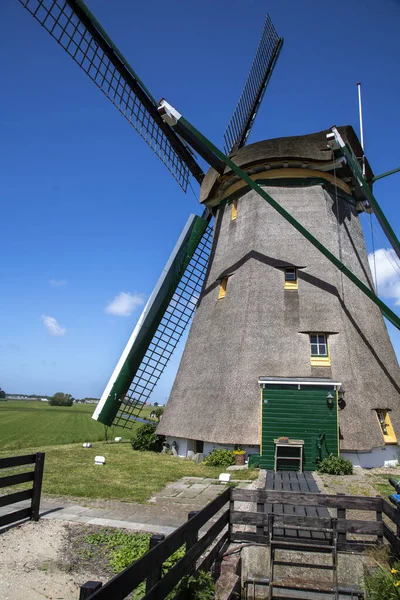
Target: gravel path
<point>33,564</point>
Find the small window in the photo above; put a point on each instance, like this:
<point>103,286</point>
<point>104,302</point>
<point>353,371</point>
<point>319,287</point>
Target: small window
<point>234,210</point>
<point>319,350</point>
<point>386,426</point>
<point>291,282</point>
<point>222,288</point>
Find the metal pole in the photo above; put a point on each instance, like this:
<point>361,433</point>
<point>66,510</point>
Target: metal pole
<point>361,125</point>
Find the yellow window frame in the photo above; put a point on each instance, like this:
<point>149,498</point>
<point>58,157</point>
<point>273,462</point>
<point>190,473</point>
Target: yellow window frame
<point>321,360</point>
<point>382,414</point>
<point>234,210</point>
<point>291,285</point>
<point>222,288</point>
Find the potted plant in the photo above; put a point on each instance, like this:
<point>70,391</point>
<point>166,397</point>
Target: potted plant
<point>239,455</point>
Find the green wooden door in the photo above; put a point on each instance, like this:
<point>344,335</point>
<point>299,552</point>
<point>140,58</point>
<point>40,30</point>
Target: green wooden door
<point>303,414</point>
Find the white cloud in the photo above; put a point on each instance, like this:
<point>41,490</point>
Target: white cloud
<point>387,273</point>
<point>52,326</point>
<point>124,304</point>
<point>57,282</point>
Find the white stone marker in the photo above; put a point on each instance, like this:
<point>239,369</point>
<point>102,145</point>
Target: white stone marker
<point>225,477</point>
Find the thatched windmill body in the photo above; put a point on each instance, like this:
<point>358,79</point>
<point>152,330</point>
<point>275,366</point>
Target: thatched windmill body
<point>287,319</point>
<point>250,371</point>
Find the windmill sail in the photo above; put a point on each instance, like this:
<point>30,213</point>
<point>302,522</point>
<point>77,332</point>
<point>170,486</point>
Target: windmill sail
<point>242,120</point>
<point>76,29</point>
<point>159,329</point>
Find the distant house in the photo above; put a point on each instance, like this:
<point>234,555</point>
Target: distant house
<point>44,399</point>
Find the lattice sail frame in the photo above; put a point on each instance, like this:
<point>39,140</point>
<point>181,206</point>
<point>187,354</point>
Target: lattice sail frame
<point>242,120</point>
<point>101,61</point>
<point>167,313</point>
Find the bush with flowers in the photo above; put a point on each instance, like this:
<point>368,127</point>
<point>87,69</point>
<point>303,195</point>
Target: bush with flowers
<point>383,584</point>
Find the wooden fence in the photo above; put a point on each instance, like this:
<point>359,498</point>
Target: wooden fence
<point>226,520</point>
<point>32,493</point>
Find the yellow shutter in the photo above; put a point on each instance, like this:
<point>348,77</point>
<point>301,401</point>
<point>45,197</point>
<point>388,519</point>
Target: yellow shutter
<point>234,210</point>
<point>222,288</point>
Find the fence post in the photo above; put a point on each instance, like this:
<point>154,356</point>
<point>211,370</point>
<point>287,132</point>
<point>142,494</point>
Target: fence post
<point>192,536</point>
<point>231,509</point>
<point>260,528</point>
<point>37,486</point>
<point>379,519</point>
<point>156,574</point>
<point>341,514</point>
<point>89,588</point>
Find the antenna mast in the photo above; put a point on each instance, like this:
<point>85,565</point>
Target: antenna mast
<point>361,125</point>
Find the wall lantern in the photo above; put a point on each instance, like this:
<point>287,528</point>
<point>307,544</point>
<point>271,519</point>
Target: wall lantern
<point>329,400</point>
<point>341,400</point>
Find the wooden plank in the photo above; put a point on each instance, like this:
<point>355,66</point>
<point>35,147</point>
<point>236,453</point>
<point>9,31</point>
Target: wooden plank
<point>16,497</point>
<point>17,461</point>
<point>210,559</point>
<point>242,536</point>
<point>299,510</point>
<point>316,500</point>
<point>389,511</point>
<point>185,564</point>
<point>16,479</point>
<point>17,515</point>
<point>280,521</point>
<point>287,508</point>
<point>364,527</point>
<point>312,486</point>
<point>393,540</point>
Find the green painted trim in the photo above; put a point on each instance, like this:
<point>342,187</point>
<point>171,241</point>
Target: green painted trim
<point>355,167</point>
<point>386,311</point>
<point>152,321</point>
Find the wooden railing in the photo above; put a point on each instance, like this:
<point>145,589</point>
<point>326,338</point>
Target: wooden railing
<point>149,566</point>
<point>269,501</point>
<point>33,493</point>
<point>226,520</point>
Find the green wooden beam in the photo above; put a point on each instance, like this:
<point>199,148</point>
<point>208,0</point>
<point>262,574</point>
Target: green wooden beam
<point>173,117</point>
<point>357,171</point>
<point>386,174</point>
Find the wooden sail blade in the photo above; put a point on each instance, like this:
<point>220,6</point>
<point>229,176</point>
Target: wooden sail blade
<point>74,27</point>
<point>159,328</point>
<point>243,117</point>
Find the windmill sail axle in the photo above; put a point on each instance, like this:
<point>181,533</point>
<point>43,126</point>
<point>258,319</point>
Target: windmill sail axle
<point>74,27</point>
<point>159,328</point>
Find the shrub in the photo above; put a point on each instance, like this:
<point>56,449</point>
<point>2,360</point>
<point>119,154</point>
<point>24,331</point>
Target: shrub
<point>146,439</point>
<point>335,465</point>
<point>196,587</point>
<point>220,458</point>
<point>61,399</point>
<point>383,584</point>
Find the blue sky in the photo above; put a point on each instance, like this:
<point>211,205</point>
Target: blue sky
<point>88,212</point>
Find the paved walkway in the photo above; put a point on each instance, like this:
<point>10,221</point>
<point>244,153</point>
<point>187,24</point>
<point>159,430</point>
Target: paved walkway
<point>163,513</point>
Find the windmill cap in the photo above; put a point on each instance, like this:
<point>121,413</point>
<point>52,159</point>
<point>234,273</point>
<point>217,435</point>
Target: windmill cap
<point>310,151</point>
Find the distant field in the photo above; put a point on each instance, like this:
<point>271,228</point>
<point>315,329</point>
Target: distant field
<point>35,424</point>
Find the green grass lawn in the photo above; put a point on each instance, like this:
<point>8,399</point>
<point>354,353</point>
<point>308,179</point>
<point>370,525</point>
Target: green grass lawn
<point>36,424</point>
<point>130,476</point>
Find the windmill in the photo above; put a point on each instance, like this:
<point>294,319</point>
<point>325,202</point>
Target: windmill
<point>268,347</point>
